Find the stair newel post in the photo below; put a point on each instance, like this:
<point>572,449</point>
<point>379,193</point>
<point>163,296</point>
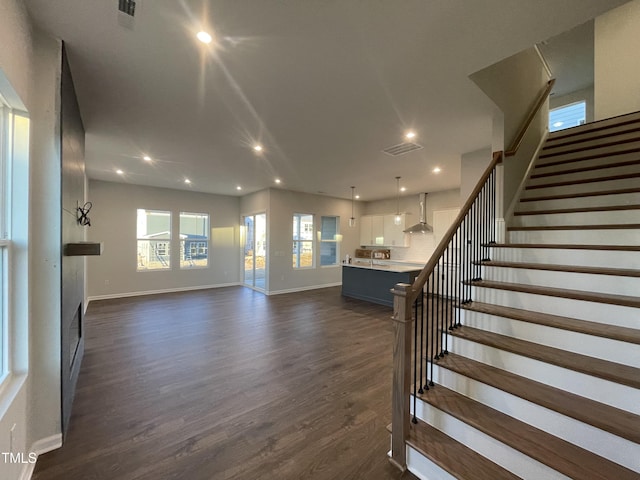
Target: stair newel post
<point>401,388</point>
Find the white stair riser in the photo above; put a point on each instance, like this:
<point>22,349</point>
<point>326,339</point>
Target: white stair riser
<point>591,152</point>
<point>578,218</point>
<point>603,391</point>
<point>554,256</point>
<point>581,434</point>
<point>550,164</point>
<point>584,175</point>
<point>581,202</point>
<point>590,143</point>
<point>423,468</point>
<point>597,347</point>
<point>611,284</point>
<point>608,126</point>
<point>617,236</point>
<point>496,451</point>
<point>581,188</point>
<point>565,307</point>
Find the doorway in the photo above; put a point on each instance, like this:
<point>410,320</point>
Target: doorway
<point>255,251</point>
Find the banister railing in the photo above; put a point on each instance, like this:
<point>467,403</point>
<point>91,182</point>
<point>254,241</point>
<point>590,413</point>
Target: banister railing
<point>542,98</point>
<point>429,309</point>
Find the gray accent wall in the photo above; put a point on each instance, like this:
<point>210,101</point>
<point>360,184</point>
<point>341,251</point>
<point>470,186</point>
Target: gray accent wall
<point>72,271</point>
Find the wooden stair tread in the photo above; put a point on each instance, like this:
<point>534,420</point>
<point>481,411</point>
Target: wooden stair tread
<point>605,208</point>
<point>557,142</point>
<point>590,168</point>
<point>622,300</point>
<point>582,181</point>
<point>592,156</point>
<point>607,226</point>
<point>562,456</point>
<point>581,194</point>
<point>614,372</point>
<point>596,126</point>
<point>452,456</point>
<point>604,330</point>
<point>610,419</point>
<point>577,149</point>
<point>621,272</point>
<point>562,246</point>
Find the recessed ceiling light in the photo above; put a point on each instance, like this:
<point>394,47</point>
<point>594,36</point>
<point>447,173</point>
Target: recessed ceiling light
<point>437,170</point>
<point>357,197</point>
<point>410,134</point>
<point>277,180</point>
<point>119,172</point>
<point>403,189</point>
<point>257,147</point>
<point>187,181</point>
<point>204,37</point>
<point>146,158</point>
<point>238,187</point>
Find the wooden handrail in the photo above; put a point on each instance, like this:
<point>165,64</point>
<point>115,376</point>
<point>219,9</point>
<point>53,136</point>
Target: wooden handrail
<point>421,279</point>
<point>515,145</point>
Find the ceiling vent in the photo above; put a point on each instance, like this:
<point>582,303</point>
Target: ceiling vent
<point>127,6</point>
<point>402,148</point>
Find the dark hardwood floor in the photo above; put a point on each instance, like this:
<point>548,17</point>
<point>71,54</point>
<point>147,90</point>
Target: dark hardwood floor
<point>231,384</point>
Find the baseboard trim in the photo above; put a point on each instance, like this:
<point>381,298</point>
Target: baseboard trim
<point>158,292</point>
<point>303,289</point>
<point>41,447</point>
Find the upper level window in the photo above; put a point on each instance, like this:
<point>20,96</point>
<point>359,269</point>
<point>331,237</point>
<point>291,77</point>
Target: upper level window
<point>329,236</point>
<point>567,116</point>
<point>194,240</point>
<point>302,240</point>
<point>154,240</point>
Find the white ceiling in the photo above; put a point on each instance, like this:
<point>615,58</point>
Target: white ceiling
<point>323,85</point>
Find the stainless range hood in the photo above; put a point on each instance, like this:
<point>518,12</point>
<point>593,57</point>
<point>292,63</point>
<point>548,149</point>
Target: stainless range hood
<point>422,226</point>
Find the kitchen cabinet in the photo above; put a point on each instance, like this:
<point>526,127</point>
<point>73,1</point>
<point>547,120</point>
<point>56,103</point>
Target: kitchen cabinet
<point>372,230</point>
<point>394,235</point>
<point>381,230</point>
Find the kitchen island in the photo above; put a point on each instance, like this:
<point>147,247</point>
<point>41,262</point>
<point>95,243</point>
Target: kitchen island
<point>373,283</point>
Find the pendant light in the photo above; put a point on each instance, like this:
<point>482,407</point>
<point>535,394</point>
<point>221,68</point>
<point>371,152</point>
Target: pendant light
<point>398,218</point>
<point>352,220</point>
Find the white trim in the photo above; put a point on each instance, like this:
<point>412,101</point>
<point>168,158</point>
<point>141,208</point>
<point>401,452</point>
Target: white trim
<point>545,64</point>
<point>303,289</point>
<point>41,447</point>
<point>516,198</point>
<point>156,292</point>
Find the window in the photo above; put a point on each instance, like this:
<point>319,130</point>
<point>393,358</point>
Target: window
<point>302,240</point>
<point>154,240</point>
<point>329,236</point>
<point>194,240</point>
<point>5,132</point>
<point>567,116</point>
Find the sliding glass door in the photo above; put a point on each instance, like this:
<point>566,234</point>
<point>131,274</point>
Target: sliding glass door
<point>255,251</point>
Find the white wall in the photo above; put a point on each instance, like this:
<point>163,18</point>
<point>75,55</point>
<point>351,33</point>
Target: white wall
<point>514,84</point>
<point>616,61</point>
<point>473,165</point>
<point>421,245</point>
<point>30,62</point>
<point>282,205</point>
<point>113,222</point>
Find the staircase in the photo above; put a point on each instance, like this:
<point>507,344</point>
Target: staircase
<point>540,378</point>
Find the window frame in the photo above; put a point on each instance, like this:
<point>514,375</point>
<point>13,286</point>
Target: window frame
<point>164,241</point>
<point>335,240</point>
<point>199,242</point>
<point>296,252</point>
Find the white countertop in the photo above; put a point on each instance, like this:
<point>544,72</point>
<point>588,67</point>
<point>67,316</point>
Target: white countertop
<point>386,267</point>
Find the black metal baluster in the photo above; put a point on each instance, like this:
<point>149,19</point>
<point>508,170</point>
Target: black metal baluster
<point>415,366</point>
<point>421,337</point>
<point>427,355</point>
<point>445,301</point>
